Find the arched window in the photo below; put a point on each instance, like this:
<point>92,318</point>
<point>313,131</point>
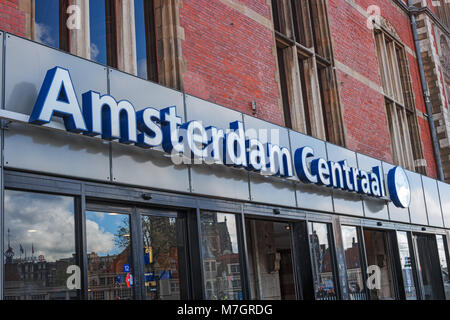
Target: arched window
<point>306,68</point>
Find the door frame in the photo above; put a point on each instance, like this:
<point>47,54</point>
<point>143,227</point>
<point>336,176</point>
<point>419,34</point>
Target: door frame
<point>135,214</point>
<point>394,262</point>
<point>294,249</point>
<point>333,255</point>
<point>437,279</point>
<point>301,253</point>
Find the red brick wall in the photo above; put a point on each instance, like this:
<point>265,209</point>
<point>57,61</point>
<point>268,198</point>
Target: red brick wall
<point>230,61</point>
<point>229,57</point>
<point>11,18</point>
<point>363,107</point>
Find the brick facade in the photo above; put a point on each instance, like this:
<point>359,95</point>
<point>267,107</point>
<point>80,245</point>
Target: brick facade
<point>228,56</point>
<point>230,61</point>
<point>434,41</point>
<point>355,54</point>
<point>11,18</point>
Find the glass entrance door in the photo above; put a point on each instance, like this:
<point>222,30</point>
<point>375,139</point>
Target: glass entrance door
<point>370,264</point>
<point>380,265</point>
<point>164,247</point>
<point>407,265</point>
<point>270,260</point>
<point>110,266</point>
<point>429,267</point>
<point>129,243</point>
<point>322,261</point>
<point>354,263</point>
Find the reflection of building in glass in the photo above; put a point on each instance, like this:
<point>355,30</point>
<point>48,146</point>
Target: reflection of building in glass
<point>109,278</point>
<point>162,279</point>
<point>38,279</point>
<point>354,273</point>
<point>322,269</point>
<point>221,265</point>
<point>407,274</point>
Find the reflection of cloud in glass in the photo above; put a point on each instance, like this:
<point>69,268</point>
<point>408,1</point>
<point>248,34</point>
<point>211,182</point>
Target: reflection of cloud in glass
<point>100,231</point>
<point>100,215</point>
<point>50,217</point>
<point>348,234</point>
<point>97,23</point>
<point>321,230</point>
<point>100,241</point>
<point>231,225</point>
<point>43,34</point>
<point>142,68</point>
<point>46,27</point>
<point>94,51</point>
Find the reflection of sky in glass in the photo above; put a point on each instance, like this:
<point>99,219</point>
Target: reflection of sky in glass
<point>101,228</point>
<point>231,225</point>
<point>45,222</point>
<point>46,28</point>
<point>98,30</point>
<point>141,49</point>
<point>321,231</point>
<point>348,234</point>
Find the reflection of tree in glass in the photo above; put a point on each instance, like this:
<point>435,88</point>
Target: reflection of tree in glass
<point>160,234</point>
<point>122,237</point>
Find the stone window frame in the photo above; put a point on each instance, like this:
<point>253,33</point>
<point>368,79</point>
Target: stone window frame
<point>401,113</point>
<point>168,66</point>
<point>308,86</point>
<point>442,10</point>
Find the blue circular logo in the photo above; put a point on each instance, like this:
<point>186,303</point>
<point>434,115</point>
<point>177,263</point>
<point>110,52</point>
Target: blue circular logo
<point>399,189</point>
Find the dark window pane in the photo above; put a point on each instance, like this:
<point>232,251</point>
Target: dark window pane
<point>111,33</point>
<point>300,20</point>
<point>323,79</point>
<point>276,15</point>
<point>406,265</point>
<point>322,262</point>
<point>219,246</point>
<point>306,107</point>
<point>444,265</point>
<point>110,270</point>
<point>284,88</point>
<point>39,247</point>
<point>352,249</point>
<point>46,26</point>
<point>270,260</point>
<point>429,267</point>
<point>161,257</point>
